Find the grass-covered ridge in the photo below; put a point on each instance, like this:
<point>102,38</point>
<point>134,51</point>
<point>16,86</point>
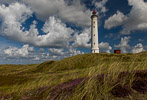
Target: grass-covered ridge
<point>81,77</point>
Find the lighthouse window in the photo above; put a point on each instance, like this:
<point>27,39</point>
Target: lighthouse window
<point>94,22</point>
<point>94,34</point>
<point>93,26</point>
<point>94,43</point>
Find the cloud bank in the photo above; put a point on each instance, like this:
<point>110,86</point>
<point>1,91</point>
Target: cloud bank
<point>57,34</point>
<point>135,20</point>
<point>123,46</point>
<point>72,11</point>
<point>138,48</point>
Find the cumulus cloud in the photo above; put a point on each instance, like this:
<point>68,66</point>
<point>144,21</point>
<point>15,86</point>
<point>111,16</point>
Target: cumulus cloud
<point>15,12</point>
<point>101,5</point>
<point>124,46</point>
<point>105,47</point>
<point>82,39</point>
<point>115,20</point>
<point>73,52</point>
<point>138,48</point>
<point>57,34</point>
<point>137,17</point>
<point>41,56</point>
<point>63,53</point>
<point>28,54</point>
<point>135,20</point>
<point>25,54</point>
<point>18,53</point>
<point>22,55</point>
<point>12,17</point>
<point>55,51</point>
<point>73,12</point>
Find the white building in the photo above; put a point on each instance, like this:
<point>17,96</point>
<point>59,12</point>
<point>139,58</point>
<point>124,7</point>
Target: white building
<point>94,33</point>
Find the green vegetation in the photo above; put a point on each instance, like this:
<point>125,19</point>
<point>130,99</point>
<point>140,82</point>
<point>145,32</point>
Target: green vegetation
<point>82,77</point>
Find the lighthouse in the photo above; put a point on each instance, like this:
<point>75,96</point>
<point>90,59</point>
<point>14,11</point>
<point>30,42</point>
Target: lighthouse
<point>94,32</point>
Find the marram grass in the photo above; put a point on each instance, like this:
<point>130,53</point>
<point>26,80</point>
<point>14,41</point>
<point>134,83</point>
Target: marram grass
<point>82,77</point>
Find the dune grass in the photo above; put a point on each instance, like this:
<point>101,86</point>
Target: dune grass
<point>83,77</point>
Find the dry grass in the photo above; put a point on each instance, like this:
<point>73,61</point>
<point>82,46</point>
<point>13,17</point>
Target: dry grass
<point>81,77</point>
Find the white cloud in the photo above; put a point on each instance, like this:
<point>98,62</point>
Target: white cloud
<point>73,52</point>
<point>137,17</point>
<point>115,20</point>
<point>123,44</point>
<point>57,34</point>
<point>36,58</point>
<point>42,56</point>
<point>55,51</point>
<point>82,39</point>
<point>12,17</point>
<point>138,48</point>
<point>101,5</point>
<point>16,12</point>
<point>18,53</point>
<point>23,55</point>
<point>105,47</point>
<point>28,54</point>
<point>135,20</point>
<point>75,12</point>
<point>62,53</point>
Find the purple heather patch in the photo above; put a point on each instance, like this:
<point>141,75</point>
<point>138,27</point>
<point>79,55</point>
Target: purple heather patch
<point>121,91</point>
<point>140,82</point>
<point>65,88</point>
<point>5,97</point>
<point>140,85</point>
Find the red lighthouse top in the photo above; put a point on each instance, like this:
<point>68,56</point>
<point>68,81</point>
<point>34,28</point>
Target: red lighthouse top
<point>94,12</point>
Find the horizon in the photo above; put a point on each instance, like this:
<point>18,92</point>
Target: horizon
<point>32,32</point>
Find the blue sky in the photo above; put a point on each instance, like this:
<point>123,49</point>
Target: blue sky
<point>33,31</point>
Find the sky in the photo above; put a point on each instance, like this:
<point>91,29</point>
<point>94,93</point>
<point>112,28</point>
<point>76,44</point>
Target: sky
<point>33,31</point>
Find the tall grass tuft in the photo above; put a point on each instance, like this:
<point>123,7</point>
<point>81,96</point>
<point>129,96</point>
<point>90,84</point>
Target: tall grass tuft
<point>83,77</point>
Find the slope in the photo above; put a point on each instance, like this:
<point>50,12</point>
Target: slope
<point>87,77</point>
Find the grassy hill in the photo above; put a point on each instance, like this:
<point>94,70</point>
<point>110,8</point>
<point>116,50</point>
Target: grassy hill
<point>82,77</point>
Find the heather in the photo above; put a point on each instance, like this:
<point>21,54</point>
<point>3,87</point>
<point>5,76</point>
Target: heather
<point>82,77</point>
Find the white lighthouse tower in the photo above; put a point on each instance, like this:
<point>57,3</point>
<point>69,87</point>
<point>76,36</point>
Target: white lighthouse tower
<point>94,33</point>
